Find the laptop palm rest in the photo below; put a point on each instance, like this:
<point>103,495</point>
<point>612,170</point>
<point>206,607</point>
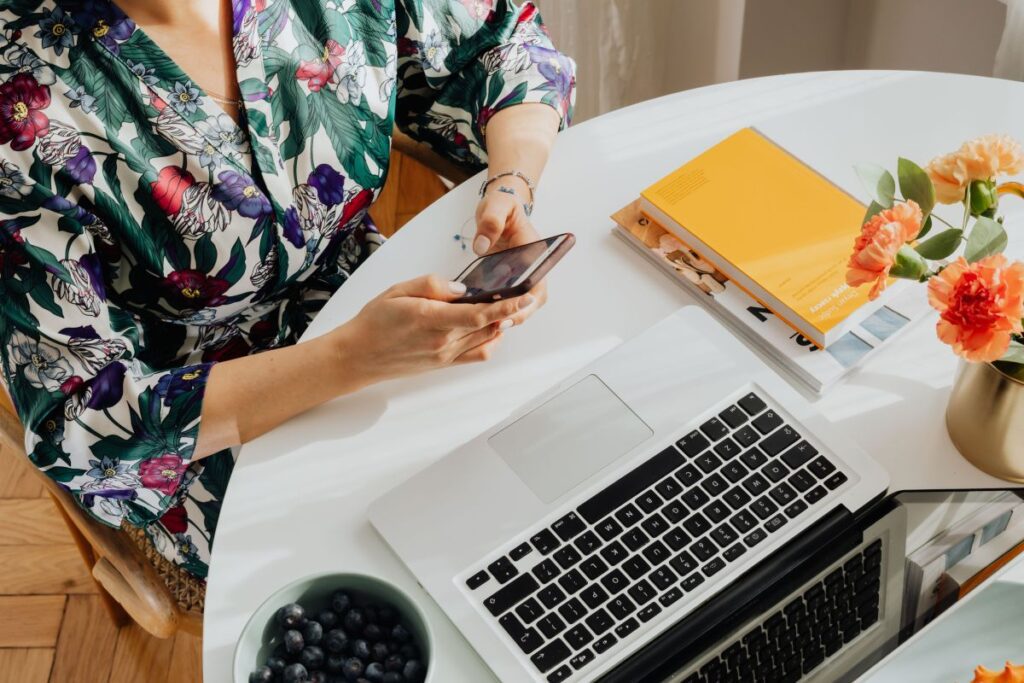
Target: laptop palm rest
<point>564,441</point>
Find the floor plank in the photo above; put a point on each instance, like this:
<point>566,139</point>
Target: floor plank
<point>186,660</point>
<point>140,657</point>
<point>43,570</point>
<point>25,666</point>
<point>31,521</point>
<point>30,620</point>
<point>19,481</point>
<point>85,648</point>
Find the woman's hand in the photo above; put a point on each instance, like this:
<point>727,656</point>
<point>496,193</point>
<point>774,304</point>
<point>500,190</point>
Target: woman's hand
<point>412,327</point>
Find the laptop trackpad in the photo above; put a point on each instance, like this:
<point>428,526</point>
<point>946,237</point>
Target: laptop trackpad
<point>570,437</point>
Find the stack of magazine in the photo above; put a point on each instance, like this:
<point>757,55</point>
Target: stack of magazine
<point>770,270</point>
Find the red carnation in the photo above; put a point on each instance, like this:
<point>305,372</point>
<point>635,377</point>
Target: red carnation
<point>168,187</point>
<point>22,100</point>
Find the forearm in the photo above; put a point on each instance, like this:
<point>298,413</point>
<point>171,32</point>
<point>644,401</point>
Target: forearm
<point>519,138</point>
<point>249,396</point>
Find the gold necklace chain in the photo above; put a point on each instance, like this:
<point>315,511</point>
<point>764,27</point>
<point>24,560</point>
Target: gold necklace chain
<point>235,102</point>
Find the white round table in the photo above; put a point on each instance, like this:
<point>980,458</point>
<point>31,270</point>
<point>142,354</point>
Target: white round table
<point>297,500</point>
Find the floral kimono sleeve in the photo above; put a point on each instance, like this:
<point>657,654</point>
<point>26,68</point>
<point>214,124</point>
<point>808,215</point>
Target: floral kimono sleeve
<point>462,61</point>
<point>114,433</point>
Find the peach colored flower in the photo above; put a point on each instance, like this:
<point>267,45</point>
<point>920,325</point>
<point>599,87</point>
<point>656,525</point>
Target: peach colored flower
<point>982,158</point>
<point>874,251</point>
<point>980,306</point>
<point>1010,674</point>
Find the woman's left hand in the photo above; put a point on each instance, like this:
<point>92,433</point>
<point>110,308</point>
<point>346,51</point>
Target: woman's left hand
<point>501,222</point>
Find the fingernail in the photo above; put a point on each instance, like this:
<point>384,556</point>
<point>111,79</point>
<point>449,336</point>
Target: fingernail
<point>525,301</point>
<point>457,288</point>
<point>506,323</point>
<point>481,244</point>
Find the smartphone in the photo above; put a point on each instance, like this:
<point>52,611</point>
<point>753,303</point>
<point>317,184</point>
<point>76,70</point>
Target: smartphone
<point>512,272</point>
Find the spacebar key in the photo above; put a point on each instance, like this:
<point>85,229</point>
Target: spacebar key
<point>511,594</point>
<point>629,486</point>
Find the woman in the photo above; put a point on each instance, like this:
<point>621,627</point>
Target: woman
<point>183,183</point>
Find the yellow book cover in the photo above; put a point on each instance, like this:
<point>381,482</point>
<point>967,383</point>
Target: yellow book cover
<point>774,225</point>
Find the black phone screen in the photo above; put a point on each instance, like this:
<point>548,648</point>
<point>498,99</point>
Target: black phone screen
<point>505,268</point>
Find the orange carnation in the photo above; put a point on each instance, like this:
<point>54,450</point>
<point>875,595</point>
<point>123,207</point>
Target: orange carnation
<point>980,306</point>
<point>1011,674</point>
<point>983,158</point>
<point>874,251</point>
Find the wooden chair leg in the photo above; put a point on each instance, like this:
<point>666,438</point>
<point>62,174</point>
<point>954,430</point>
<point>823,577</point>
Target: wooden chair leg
<point>117,614</point>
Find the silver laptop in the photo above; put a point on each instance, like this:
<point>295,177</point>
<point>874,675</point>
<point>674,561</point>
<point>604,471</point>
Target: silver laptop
<point>633,507</point>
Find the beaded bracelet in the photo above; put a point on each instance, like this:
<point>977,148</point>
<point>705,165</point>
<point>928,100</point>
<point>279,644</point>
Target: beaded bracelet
<point>527,206</point>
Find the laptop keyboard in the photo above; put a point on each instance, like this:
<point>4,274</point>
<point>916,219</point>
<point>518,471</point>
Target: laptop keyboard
<point>571,592</point>
<point>796,639</point>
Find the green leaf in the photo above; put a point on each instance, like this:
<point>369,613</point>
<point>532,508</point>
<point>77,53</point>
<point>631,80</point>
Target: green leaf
<point>878,182</point>
<point>874,208</point>
<point>941,245</point>
<point>63,474</point>
<point>909,264</point>
<point>915,184</point>
<point>925,227</point>
<point>40,172</point>
<point>987,237</point>
<point>206,253</point>
<point>1014,354</point>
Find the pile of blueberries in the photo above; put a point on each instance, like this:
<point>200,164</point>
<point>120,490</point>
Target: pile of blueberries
<point>356,641</point>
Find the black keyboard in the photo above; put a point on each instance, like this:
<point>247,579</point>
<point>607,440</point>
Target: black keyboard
<point>570,592</point>
<point>805,630</point>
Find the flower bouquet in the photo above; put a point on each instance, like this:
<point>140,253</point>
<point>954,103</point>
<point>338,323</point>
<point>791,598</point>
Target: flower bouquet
<point>978,292</point>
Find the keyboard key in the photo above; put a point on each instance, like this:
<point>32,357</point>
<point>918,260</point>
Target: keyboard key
<point>551,625</point>
<point>799,454</point>
<point>668,488</point>
<point>708,462</point>
<point>614,582</point>
<point>572,582</point>
<point>635,567</point>
<point>629,515</point>
<point>642,592</point>
<point>545,542</point>
<point>655,525</point>
<point>635,539</point>
<point>691,582</point>
<point>594,596</point>
<point>727,449</point>
<point>743,521</point>
<point>689,475</point>
<point>752,404</point>
<point>662,578</point>
<point>613,553</point>
<point>620,607</point>
<point>670,597</point>
<point>696,524</point>
<point>767,421</point>
<point>649,501</point>
<point>713,567</point>
<point>779,441</point>
<point>581,659</point>
<point>567,527</point>
<point>502,569</point>
<point>703,549</point>
<point>693,443</point>
<point>551,597</point>
<point>801,481</point>
<point>715,485</point>
<point>676,538</point>
<point>683,563</point>
<point>529,611</point>
<point>675,511</point>
<point>821,467</point>
<point>477,580</point>
<point>716,511</point>
<point>550,656</point>
<point>632,484</point>
<point>560,674</point>
<point>775,523</point>
<point>746,436</point>
<point>546,571</point>
<point>649,612</point>
<point>572,611</point>
<point>734,471</point>
<point>753,458</point>
<point>521,587</point>
<point>755,537</point>
<point>733,416</point>
<point>835,481</point>
<point>775,470</point>
<point>795,509</point>
<point>764,508</point>
<point>783,494</point>
<point>724,535</point>
<point>695,498</point>
<point>602,645</point>
<point>527,639</point>
<point>609,528</point>
<point>714,429</point>
<point>599,622</point>
<point>656,553</point>
<point>520,551</point>
<point>593,567</point>
<point>627,627</point>
<point>567,556</point>
<point>587,542</point>
<point>815,494</point>
<point>732,554</point>
<point>578,636</point>
<point>736,497</point>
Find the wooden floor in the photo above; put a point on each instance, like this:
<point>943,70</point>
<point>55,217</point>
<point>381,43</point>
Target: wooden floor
<point>52,625</point>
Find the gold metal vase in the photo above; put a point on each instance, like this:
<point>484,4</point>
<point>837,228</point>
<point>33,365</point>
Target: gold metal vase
<point>985,418</point>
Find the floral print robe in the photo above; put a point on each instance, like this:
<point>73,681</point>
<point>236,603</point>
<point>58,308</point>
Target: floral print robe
<point>145,236</point>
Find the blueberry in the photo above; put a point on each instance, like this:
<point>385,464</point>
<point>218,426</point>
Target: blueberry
<point>335,641</point>
<point>334,663</point>
<point>340,602</point>
<point>295,673</point>
<point>375,672</point>
<point>400,634</point>
<point>355,620</point>
<point>379,652</point>
<point>311,657</point>
<point>262,675</point>
<point>353,668</point>
<point>276,664</point>
<point>371,614</point>
<point>414,671</point>
<point>328,619</point>
<point>392,677</point>
<point>293,642</point>
<point>373,632</point>
<point>361,649</point>
<point>291,615</point>
<point>387,616</point>
<point>312,632</point>
<point>394,663</point>
<point>318,677</point>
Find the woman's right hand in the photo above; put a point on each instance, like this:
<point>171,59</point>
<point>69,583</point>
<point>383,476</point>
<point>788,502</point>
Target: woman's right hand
<point>413,327</point>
